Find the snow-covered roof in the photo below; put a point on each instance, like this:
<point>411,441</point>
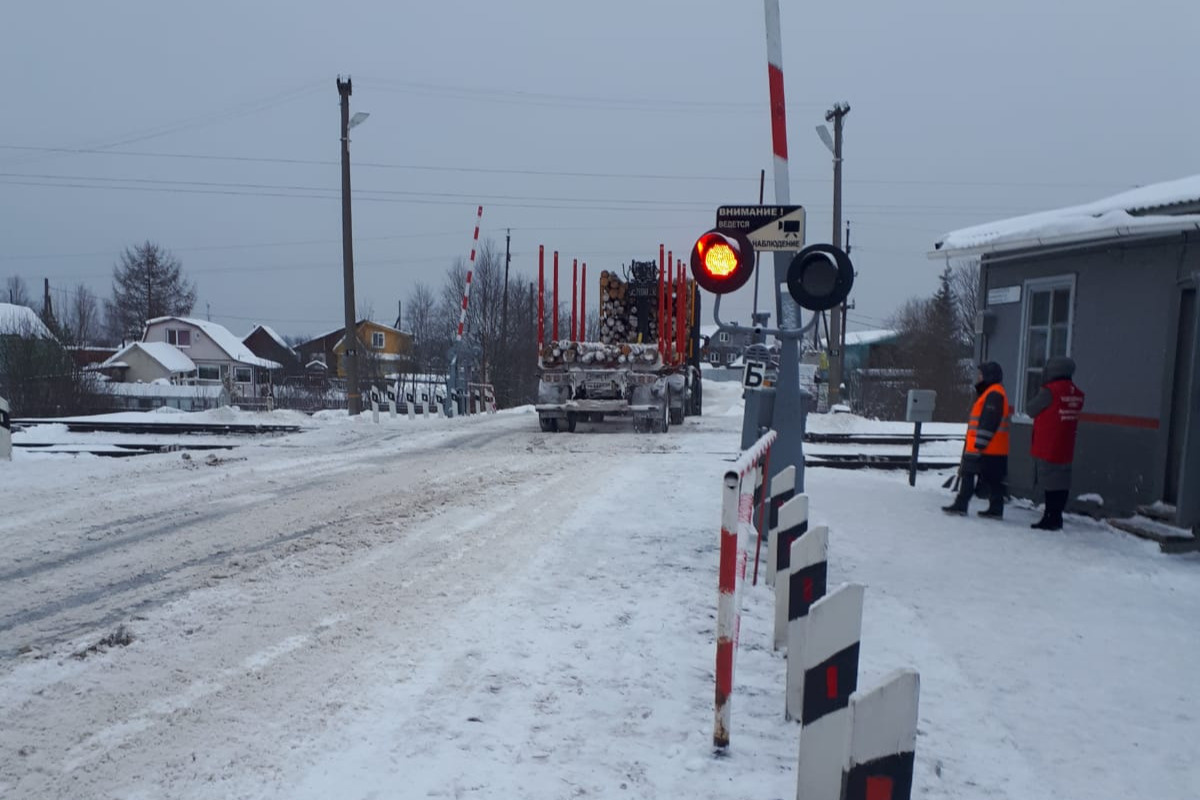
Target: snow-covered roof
<point>267,329</point>
<point>22,321</point>
<point>1160,208</point>
<point>223,339</point>
<point>869,337</point>
<point>172,358</point>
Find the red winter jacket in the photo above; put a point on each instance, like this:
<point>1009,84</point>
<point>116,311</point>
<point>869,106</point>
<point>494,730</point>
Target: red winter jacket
<point>1054,425</point>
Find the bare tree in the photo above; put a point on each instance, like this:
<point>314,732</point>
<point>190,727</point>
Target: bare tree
<point>148,282</point>
<point>964,283</point>
<point>16,292</point>
<point>79,318</point>
<point>420,320</point>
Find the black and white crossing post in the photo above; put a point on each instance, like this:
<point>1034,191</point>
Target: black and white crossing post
<point>5,431</point>
<point>883,740</point>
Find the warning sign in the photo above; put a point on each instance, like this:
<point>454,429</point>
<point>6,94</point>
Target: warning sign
<point>767,227</point>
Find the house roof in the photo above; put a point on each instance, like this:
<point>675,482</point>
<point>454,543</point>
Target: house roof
<point>223,339</point>
<point>870,337</point>
<point>269,332</point>
<point>172,358</point>
<point>22,321</point>
<point>1156,209</point>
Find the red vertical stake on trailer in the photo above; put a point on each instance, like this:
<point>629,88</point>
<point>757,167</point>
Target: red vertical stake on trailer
<point>554,311</point>
<point>670,330</point>
<point>681,303</point>
<point>662,277</point>
<point>574,294</point>
<point>541,295</point>
<point>583,302</point>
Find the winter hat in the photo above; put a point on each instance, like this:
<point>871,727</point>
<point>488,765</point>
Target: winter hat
<point>991,372</point>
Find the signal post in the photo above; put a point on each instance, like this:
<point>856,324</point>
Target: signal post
<point>819,277</point>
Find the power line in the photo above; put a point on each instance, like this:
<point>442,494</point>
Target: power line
<point>554,173</point>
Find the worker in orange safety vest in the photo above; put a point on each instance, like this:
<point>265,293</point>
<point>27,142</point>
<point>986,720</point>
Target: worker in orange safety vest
<point>985,456</point>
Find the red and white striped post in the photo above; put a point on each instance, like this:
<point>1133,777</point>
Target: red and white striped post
<point>554,311</point>
<point>737,511</point>
<point>778,107</point>
<point>541,297</point>
<point>574,295</point>
<point>583,302</point>
<point>462,316</point>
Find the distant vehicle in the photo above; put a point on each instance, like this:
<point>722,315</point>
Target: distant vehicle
<point>633,371</point>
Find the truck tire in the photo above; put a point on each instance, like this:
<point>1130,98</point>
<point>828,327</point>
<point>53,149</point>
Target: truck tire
<point>548,424</point>
<point>677,416</point>
<point>571,421</point>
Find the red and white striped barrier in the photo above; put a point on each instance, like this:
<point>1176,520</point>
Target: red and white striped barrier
<point>793,526</point>
<point>5,431</point>
<point>737,511</point>
<point>883,740</point>
<point>462,315</point>
<point>828,675</point>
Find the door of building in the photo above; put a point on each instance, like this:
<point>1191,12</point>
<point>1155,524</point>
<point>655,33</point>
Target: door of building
<point>1181,397</point>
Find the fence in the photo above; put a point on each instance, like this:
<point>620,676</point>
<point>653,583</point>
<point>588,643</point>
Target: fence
<point>737,511</point>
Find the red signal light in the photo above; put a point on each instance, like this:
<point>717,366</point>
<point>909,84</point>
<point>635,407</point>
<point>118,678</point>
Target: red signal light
<point>722,262</point>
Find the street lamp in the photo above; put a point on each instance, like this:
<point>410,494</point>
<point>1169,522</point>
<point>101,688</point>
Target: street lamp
<point>350,340</point>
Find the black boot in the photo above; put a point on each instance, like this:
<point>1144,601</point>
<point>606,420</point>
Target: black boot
<point>965,491</point>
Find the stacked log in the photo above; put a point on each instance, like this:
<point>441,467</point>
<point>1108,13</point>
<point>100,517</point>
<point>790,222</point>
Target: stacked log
<point>614,313</point>
<point>598,354</point>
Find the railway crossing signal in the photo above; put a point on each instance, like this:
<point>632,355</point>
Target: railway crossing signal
<point>722,262</point>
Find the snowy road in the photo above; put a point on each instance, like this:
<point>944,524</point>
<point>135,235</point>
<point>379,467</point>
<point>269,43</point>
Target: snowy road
<point>475,609</point>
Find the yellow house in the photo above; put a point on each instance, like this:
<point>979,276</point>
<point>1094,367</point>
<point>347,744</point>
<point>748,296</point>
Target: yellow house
<point>384,350</point>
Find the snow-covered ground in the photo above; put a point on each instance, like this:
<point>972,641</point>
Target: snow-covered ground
<point>473,609</point>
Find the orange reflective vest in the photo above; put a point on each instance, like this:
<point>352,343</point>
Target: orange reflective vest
<point>997,445</point>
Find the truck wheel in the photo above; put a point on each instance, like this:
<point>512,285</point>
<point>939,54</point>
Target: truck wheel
<point>677,416</point>
<point>663,423</point>
<point>548,424</point>
<point>571,420</point>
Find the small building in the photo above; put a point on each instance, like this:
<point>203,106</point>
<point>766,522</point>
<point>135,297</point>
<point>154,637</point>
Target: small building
<point>1112,284</point>
<point>722,348</point>
<point>386,351</point>
<point>266,343</point>
<point>219,356</point>
<point>146,362</point>
<point>22,322</point>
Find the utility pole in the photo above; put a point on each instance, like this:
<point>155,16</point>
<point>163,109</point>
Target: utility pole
<point>504,347</point>
<point>350,353</point>
<point>836,362</point>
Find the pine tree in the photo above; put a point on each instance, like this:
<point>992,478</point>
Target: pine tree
<point>147,283</point>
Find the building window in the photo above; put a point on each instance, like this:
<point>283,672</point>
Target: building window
<point>180,337</point>
<point>377,340</point>
<point>208,372</point>
<point>723,337</point>
<point>242,375</point>
<point>729,357</point>
<point>1049,314</point>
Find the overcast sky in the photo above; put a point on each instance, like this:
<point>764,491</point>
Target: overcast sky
<point>598,129</point>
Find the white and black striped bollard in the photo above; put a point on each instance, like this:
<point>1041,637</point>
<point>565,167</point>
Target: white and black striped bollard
<point>883,740</point>
<point>807,582</point>
<point>828,675</point>
<point>5,431</point>
<point>392,393</point>
<point>374,394</point>
<point>410,405</point>
<point>783,488</point>
<point>793,525</point>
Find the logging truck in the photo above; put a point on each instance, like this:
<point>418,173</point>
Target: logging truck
<point>645,364</point>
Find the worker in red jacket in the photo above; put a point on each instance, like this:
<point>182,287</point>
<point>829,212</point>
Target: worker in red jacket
<point>985,454</point>
<point>1055,410</point>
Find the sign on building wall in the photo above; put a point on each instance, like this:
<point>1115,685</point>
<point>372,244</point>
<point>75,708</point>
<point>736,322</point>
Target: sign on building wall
<point>1004,294</point>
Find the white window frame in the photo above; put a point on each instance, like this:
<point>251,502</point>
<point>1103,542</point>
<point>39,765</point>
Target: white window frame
<point>174,333</point>
<point>1028,288</point>
<point>723,336</point>
<point>200,377</point>
<point>377,340</point>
